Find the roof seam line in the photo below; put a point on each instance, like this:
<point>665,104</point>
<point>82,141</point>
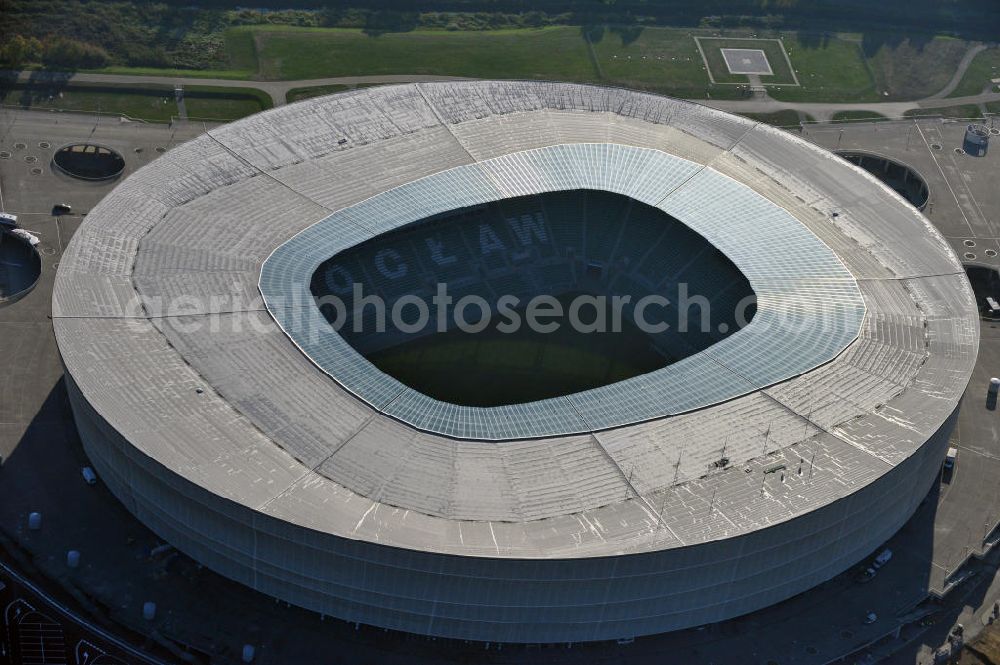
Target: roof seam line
<point>102,317</point>
<point>901,278</point>
<point>443,123</point>
<point>226,312</point>
<point>763,391</point>
<point>313,468</point>
<point>392,400</point>
<point>631,486</point>
<point>264,173</point>
<point>812,422</point>
<point>705,166</point>
<point>628,481</point>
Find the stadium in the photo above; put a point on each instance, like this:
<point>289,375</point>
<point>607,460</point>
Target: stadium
<point>696,476</point>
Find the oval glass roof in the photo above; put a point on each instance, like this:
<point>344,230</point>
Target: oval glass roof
<point>809,307</point>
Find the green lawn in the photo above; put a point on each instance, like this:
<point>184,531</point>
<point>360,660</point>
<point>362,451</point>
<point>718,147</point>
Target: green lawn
<point>241,52</point>
<point>305,53</point>
<point>857,115</point>
<point>298,94</point>
<point>983,68</point>
<point>218,103</point>
<point>658,59</point>
<point>963,111</point>
<point>151,103</point>
<point>780,118</point>
<point>154,104</point>
<point>233,74</point>
<point>829,68</point>
<point>834,68</point>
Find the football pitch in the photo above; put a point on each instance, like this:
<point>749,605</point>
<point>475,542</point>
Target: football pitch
<point>492,368</point>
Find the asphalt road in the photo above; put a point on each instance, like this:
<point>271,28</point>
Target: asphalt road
<point>39,628</point>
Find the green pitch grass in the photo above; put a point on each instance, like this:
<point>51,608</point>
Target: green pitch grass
<point>492,368</point>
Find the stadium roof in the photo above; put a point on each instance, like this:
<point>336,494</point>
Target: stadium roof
<point>809,305</point>
<point>162,328</point>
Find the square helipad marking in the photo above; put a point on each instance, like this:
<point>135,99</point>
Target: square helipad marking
<point>747,61</point>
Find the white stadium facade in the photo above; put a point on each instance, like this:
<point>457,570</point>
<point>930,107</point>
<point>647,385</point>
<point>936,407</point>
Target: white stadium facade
<point>218,406</point>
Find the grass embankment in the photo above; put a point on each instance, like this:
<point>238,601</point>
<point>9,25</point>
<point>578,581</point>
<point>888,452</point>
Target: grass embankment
<point>218,103</point>
<point>836,68</point>
<point>911,70</point>
<point>131,37</point>
<point>230,74</point>
<point>151,103</point>
<point>982,70</point>
<point>781,118</point>
<point>298,94</point>
<point>828,67</point>
<point>963,111</point>
<point>848,116</point>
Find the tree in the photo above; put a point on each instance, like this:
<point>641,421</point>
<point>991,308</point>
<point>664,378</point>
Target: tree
<point>67,52</point>
<point>18,50</point>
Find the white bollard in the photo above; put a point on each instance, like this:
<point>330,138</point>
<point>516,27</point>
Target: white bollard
<point>35,521</point>
<point>149,610</point>
<point>248,653</point>
<point>73,559</point>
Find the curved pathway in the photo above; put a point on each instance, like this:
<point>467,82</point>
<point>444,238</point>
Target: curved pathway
<point>278,90</point>
<point>824,111</point>
<point>960,71</point>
